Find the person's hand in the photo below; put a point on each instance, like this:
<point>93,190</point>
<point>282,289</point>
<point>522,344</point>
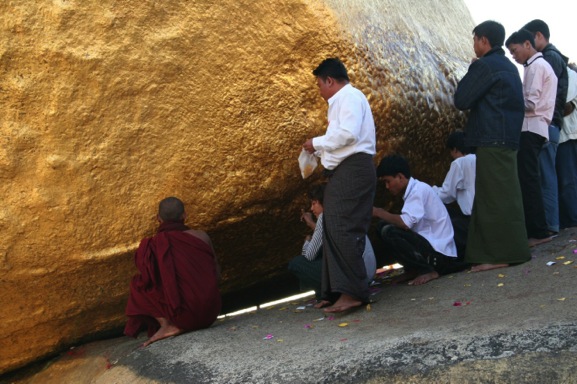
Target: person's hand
<point>307,217</point>
<point>378,212</point>
<point>308,146</point>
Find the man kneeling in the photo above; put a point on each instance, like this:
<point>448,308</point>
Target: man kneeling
<point>421,237</point>
<point>176,289</point>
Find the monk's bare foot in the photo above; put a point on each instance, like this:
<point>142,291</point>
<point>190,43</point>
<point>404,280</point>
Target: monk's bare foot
<point>533,242</point>
<point>487,267</point>
<point>165,331</point>
<point>423,279</point>
<point>344,303</point>
<point>322,304</point>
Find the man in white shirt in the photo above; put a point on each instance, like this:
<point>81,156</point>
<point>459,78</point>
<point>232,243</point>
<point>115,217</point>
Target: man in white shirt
<point>346,151</point>
<point>421,237</point>
<point>459,186</point>
<point>539,91</point>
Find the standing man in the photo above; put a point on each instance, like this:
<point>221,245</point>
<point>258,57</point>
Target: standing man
<point>346,151</point>
<point>493,93</point>
<point>539,90</point>
<point>547,157</point>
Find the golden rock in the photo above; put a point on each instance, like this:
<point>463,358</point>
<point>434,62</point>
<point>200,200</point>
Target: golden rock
<point>108,107</point>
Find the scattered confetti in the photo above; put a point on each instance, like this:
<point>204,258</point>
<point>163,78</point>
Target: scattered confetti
<point>501,275</point>
<point>330,318</point>
<point>500,285</point>
<point>301,308</point>
<point>575,251</point>
<point>560,257</point>
<point>561,299</point>
<point>309,326</point>
<point>282,309</point>
<point>279,340</point>
<point>466,285</point>
<point>268,337</point>
<point>568,262</point>
<point>343,324</point>
<point>457,304</point>
<point>343,339</point>
<point>319,319</point>
<point>550,263</point>
<point>368,307</point>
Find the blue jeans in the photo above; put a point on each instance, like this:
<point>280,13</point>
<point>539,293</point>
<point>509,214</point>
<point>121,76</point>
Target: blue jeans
<point>549,187</point>
<point>567,175</point>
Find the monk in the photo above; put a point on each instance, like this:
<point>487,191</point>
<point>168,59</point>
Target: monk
<point>176,289</point>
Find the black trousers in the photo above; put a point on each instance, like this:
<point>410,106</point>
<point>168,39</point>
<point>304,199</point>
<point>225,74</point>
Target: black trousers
<point>528,170</point>
<point>415,253</point>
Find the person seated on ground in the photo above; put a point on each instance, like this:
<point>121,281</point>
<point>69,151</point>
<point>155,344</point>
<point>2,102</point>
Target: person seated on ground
<point>307,267</point>
<point>459,187</point>
<point>421,237</point>
<point>176,289</point>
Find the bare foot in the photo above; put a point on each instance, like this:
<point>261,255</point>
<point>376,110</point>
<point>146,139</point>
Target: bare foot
<point>487,267</point>
<point>423,279</point>
<point>166,330</point>
<point>344,303</point>
<point>322,304</point>
<point>533,242</point>
<point>404,277</point>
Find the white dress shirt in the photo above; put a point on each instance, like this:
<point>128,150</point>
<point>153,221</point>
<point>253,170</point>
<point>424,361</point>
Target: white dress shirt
<point>425,214</point>
<point>351,128</point>
<point>459,184</point>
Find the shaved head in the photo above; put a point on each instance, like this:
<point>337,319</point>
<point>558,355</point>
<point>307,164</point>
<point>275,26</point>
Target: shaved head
<point>171,209</point>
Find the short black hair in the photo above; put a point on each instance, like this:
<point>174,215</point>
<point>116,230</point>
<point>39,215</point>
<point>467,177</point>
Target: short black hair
<point>493,31</point>
<point>171,209</point>
<point>538,25</point>
<point>317,192</point>
<point>332,67</point>
<point>392,165</point>
<point>520,37</point>
<point>456,140</point>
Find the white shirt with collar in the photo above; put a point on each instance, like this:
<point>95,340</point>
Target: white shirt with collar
<point>425,214</point>
<point>351,128</point>
<point>459,184</point>
<point>539,91</point>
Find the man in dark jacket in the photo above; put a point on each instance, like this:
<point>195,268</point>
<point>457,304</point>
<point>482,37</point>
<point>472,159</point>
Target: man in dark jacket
<point>492,92</point>
<point>548,154</point>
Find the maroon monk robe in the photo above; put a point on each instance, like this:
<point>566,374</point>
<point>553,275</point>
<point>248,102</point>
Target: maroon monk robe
<point>177,281</point>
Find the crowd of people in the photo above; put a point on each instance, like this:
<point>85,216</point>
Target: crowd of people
<point>512,185</point>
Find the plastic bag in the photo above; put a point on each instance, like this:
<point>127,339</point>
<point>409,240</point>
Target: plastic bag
<point>307,163</point>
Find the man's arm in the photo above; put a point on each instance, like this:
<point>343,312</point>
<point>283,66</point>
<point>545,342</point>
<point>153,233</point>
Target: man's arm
<point>453,182</point>
<point>390,218</point>
<point>473,86</point>
<point>204,237</point>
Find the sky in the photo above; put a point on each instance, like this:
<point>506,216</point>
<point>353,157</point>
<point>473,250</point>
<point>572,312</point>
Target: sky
<point>513,14</point>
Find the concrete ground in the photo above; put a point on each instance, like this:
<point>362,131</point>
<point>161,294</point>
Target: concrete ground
<point>511,325</point>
